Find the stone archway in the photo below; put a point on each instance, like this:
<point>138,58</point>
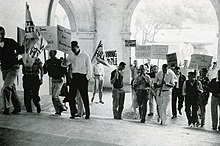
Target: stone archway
<point>81,20</point>
<point>130,10</point>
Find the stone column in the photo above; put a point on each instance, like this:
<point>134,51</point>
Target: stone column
<point>126,53</point>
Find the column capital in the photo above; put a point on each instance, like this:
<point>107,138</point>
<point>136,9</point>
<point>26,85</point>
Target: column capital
<point>86,35</point>
<point>125,35</point>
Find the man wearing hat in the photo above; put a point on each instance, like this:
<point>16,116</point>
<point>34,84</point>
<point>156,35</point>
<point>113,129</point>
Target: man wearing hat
<point>81,74</point>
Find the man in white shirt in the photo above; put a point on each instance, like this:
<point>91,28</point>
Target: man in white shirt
<point>164,82</point>
<point>213,71</point>
<point>81,74</point>
<point>98,73</point>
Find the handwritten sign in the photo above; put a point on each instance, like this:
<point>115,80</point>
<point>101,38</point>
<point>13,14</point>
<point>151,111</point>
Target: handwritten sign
<point>143,52</point>
<point>130,43</point>
<point>111,57</point>
<point>172,59</point>
<point>159,51</point>
<point>58,37</point>
<point>200,61</point>
<point>50,34</point>
<point>64,39</point>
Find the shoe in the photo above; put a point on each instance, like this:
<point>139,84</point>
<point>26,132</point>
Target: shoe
<point>29,111</point>
<point>142,121</point>
<point>77,116</point>
<point>163,124</point>
<point>92,99</point>
<point>173,117</point>
<point>180,112</point>
<point>158,119</point>
<point>101,102</point>
<point>38,109</point>
<point>192,125</point>
<point>16,111</point>
<point>87,117</point>
<point>64,109</point>
<point>6,111</point>
<point>197,124</point>
<point>214,128</point>
<point>150,114</point>
<point>57,113</point>
<point>72,117</point>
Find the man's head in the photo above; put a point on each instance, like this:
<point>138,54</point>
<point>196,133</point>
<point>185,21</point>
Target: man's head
<point>2,34</point>
<point>214,65</point>
<point>203,72</point>
<point>52,53</point>
<point>74,47</point>
<point>142,69</point>
<point>135,62</point>
<point>154,69</point>
<point>164,68</point>
<point>177,70</point>
<point>191,76</point>
<point>121,66</point>
<point>185,64</point>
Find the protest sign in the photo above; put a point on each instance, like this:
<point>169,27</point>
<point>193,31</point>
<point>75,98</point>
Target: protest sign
<point>130,43</point>
<point>159,51</point>
<point>172,59</point>
<point>142,52</point>
<point>111,57</point>
<point>200,61</point>
<point>64,39</point>
<point>50,34</point>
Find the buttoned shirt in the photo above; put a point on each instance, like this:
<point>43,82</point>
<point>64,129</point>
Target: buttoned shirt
<point>80,63</point>
<point>169,78</point>
<point>98,70</point>
<point>134,71</point>
<point>212,73</point>
<point>178,80</point>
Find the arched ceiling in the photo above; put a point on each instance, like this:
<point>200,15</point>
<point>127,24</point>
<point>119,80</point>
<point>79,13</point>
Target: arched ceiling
<point>81,20</point>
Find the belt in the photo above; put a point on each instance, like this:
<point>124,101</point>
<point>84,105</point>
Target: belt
<point>165,90</point>
<point>98,75</point>
<point>36,74</point>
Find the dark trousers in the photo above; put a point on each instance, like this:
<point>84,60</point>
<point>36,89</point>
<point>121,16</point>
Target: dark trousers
<point>31,85</point>
<point>118,96</point>
<point>142,98</point>
<point>191,108</point>
<point>202,102</point>
<point>9,89</point>
<point>177,93</point>
<point>78,82</point>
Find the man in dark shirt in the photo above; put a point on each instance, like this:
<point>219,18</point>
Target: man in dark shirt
<point>9,51</point>
<point>177,92</point>
<point>214,88</point>
<point>118,93</point>
<point>57,73</point>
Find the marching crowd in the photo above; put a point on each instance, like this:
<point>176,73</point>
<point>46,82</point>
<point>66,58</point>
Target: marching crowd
<point>148,84</point>
<point>170,84</point>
